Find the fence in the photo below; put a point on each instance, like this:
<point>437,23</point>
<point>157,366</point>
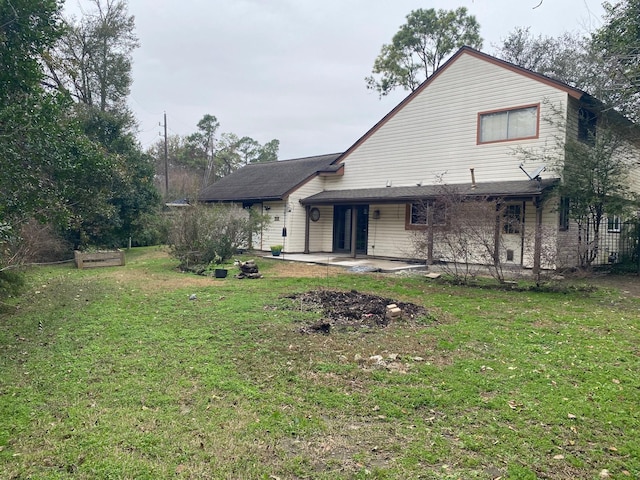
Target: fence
<point>619,246</point>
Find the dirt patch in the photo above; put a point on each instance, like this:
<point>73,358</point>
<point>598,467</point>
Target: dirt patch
<point>351,310</point>
<point>628,285</point>
<point>154,282</point>
<point>302,270</point>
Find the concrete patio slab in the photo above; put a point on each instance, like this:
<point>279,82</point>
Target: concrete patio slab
<point>361,264</point>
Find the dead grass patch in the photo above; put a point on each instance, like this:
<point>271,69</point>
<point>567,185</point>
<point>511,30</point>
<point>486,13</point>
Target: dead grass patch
<point>283,268</point>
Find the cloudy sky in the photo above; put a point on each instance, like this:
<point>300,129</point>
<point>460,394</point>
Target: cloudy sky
<point>293,69</point>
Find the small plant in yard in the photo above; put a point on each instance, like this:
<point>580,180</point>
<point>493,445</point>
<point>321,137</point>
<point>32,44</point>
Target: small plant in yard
<point>276,249</point>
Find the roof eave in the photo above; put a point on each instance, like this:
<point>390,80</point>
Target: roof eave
<point>243,200</point>
<point>467,191</point>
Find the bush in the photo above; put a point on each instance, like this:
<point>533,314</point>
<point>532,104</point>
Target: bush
<point>31,242</point>
<point>203,234</point>
<point>10,283</point>
<point>150,229</point>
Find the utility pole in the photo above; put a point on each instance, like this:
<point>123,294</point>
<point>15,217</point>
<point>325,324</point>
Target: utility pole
<point>166,159</point>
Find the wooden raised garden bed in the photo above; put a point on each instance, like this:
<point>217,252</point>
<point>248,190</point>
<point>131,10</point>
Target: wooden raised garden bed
<point>99,259</point>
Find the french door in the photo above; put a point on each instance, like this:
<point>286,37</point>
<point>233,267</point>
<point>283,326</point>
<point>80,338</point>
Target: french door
<point>350,223</point>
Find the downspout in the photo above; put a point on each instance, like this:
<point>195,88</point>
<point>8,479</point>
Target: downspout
<point>284,223</point>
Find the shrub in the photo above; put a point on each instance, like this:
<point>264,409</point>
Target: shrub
<point>150,229</point>
<point>30,242</point>
<point>204,234</point>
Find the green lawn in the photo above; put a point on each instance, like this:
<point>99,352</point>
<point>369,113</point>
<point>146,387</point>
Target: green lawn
<point>128,378</point>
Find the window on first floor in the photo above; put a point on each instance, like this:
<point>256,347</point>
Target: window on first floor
<point>613,224</point>
<point>512,219</point>
<point>418,214</point>
<point>423,214</point>
<point>512,124</point>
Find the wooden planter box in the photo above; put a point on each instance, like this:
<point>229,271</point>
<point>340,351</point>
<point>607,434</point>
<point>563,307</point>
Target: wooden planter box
<point>99,259</point>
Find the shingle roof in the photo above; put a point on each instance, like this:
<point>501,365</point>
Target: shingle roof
<point>518,188</point>
<point>266,181</point>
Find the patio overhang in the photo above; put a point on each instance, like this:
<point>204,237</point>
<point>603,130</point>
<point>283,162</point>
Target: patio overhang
<point>491,190</point>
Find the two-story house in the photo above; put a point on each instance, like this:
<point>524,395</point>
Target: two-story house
<point>461,131</point>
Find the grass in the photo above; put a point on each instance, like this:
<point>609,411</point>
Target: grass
<point>128,378</point>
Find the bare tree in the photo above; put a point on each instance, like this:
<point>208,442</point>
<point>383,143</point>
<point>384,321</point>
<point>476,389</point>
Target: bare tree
<point>92,61</point>
<point>468,241</point>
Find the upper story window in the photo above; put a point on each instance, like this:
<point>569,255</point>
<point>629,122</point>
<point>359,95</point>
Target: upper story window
<point>513,124</point>
<point>587,121</point>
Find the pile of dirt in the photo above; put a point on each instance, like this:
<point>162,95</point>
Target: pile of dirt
<point>350,309</point>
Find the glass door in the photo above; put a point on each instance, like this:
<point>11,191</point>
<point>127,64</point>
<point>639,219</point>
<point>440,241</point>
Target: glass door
<point>345,226</point>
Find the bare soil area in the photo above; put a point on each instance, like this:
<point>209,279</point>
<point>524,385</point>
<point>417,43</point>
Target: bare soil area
<point>351,310</point>
<point>629,285</point>
<point>303,270</point>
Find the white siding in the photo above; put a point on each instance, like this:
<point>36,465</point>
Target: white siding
<point>296,215</point>
<point>434,135</point>
<point>633,151</point>
<point>321,232</point>
<point>272,235</point>
<point>291,214</point>
<point>387,236</point>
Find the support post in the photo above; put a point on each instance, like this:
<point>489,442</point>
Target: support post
<point>354,230</point>
<point>497,234</point>
<point>307,224</point>
<point>537,246</point>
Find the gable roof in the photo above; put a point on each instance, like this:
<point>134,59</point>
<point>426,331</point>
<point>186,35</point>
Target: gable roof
<point>571,91</point>
<point>267,181</point>
<point>505,189</point>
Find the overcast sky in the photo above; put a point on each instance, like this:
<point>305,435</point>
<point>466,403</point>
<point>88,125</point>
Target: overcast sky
<point>293,69</point>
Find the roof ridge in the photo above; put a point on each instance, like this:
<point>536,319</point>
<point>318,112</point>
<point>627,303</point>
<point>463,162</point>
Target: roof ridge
<point>310,157</point>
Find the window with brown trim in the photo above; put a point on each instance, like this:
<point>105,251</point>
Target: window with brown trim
<point>420,215</point>
<point>512,219</point>
<point>512,124</point>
